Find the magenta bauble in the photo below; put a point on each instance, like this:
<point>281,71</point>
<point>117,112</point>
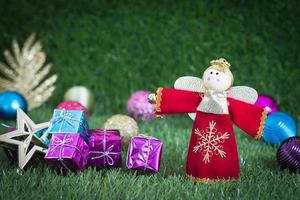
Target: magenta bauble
<point>138,106</point>
<point>265,101</point>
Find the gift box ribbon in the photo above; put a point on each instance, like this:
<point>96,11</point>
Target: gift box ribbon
<point>149,148</point>
<point>65,142</point>
<point>106,152</point>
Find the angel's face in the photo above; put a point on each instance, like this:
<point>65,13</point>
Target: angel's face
<point>216,80</point>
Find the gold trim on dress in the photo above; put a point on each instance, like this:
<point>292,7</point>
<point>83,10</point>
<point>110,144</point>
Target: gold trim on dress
<point>158,100</point>
<point>207,180</point>
<point>262,124</point>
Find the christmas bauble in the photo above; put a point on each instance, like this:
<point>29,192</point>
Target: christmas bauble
<point>279,126</point>
<point>73,105</point>
<point>139,107</point>
<point>127,126</point>
<point>267,102</point>
<point>9,103</point>
<point>288,154</point>
<point>82,95</point>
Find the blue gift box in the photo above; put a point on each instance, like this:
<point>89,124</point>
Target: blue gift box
<point>69,121</point>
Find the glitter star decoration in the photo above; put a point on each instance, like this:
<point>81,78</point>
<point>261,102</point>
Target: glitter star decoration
<point>25,129</point>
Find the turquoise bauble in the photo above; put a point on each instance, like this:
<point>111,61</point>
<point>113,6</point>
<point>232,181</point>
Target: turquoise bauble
<point>10,102</point>
<point>279,127</point>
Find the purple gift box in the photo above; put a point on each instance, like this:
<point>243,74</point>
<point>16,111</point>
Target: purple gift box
<point>144,153</point>
<point>105,148</point>
<point>68,152</point>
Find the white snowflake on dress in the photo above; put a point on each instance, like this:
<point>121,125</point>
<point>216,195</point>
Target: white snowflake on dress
<point>209,142</point>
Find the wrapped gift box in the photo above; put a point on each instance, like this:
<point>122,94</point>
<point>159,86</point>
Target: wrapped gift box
<point>144,153</point>
<point>69,121</point>
<point>68,152</point>
<point>105,148</point>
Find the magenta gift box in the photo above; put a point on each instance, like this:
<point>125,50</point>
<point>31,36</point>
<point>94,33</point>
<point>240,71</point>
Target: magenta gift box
<point>144,153</point>
<point>68,152</point>
<point>105,148</point>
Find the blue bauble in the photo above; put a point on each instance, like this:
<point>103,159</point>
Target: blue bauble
<point>9,103</point>
<point>279,127</point>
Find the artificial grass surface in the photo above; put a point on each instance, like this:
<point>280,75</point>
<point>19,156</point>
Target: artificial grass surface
<point>260,175</point>
<point>116,47</point>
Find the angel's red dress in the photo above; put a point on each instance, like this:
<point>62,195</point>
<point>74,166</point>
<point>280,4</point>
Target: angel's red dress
<point>212,153</point>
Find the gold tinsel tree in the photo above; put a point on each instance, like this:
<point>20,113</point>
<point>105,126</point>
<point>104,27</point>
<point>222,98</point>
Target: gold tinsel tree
<point>25,72</point>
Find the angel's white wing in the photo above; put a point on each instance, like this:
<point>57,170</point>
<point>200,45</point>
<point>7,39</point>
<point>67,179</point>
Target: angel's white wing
<point>190,83</point>
<point>243,93</point>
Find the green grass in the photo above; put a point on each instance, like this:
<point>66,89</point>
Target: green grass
<point>121,47</point>
<point>260,175</point>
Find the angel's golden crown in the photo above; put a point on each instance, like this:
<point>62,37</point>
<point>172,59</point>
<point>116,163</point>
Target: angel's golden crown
<point>221,63</point>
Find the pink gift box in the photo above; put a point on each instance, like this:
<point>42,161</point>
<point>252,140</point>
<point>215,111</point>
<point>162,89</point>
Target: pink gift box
<point>144,153</point>
<point>68,152</point>
<point>105,148</point>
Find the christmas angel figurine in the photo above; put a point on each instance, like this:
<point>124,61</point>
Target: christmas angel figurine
<point>214,105</point>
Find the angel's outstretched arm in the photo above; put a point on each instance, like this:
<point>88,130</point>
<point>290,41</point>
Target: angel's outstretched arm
<point>248,117</point>
<point>174,101</point>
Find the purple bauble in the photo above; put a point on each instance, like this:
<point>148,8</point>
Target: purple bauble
<point>268,102</point>
<point>288,154</point>
<point>138,106</point>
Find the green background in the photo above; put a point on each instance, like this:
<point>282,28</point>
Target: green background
<point>117,47</point>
